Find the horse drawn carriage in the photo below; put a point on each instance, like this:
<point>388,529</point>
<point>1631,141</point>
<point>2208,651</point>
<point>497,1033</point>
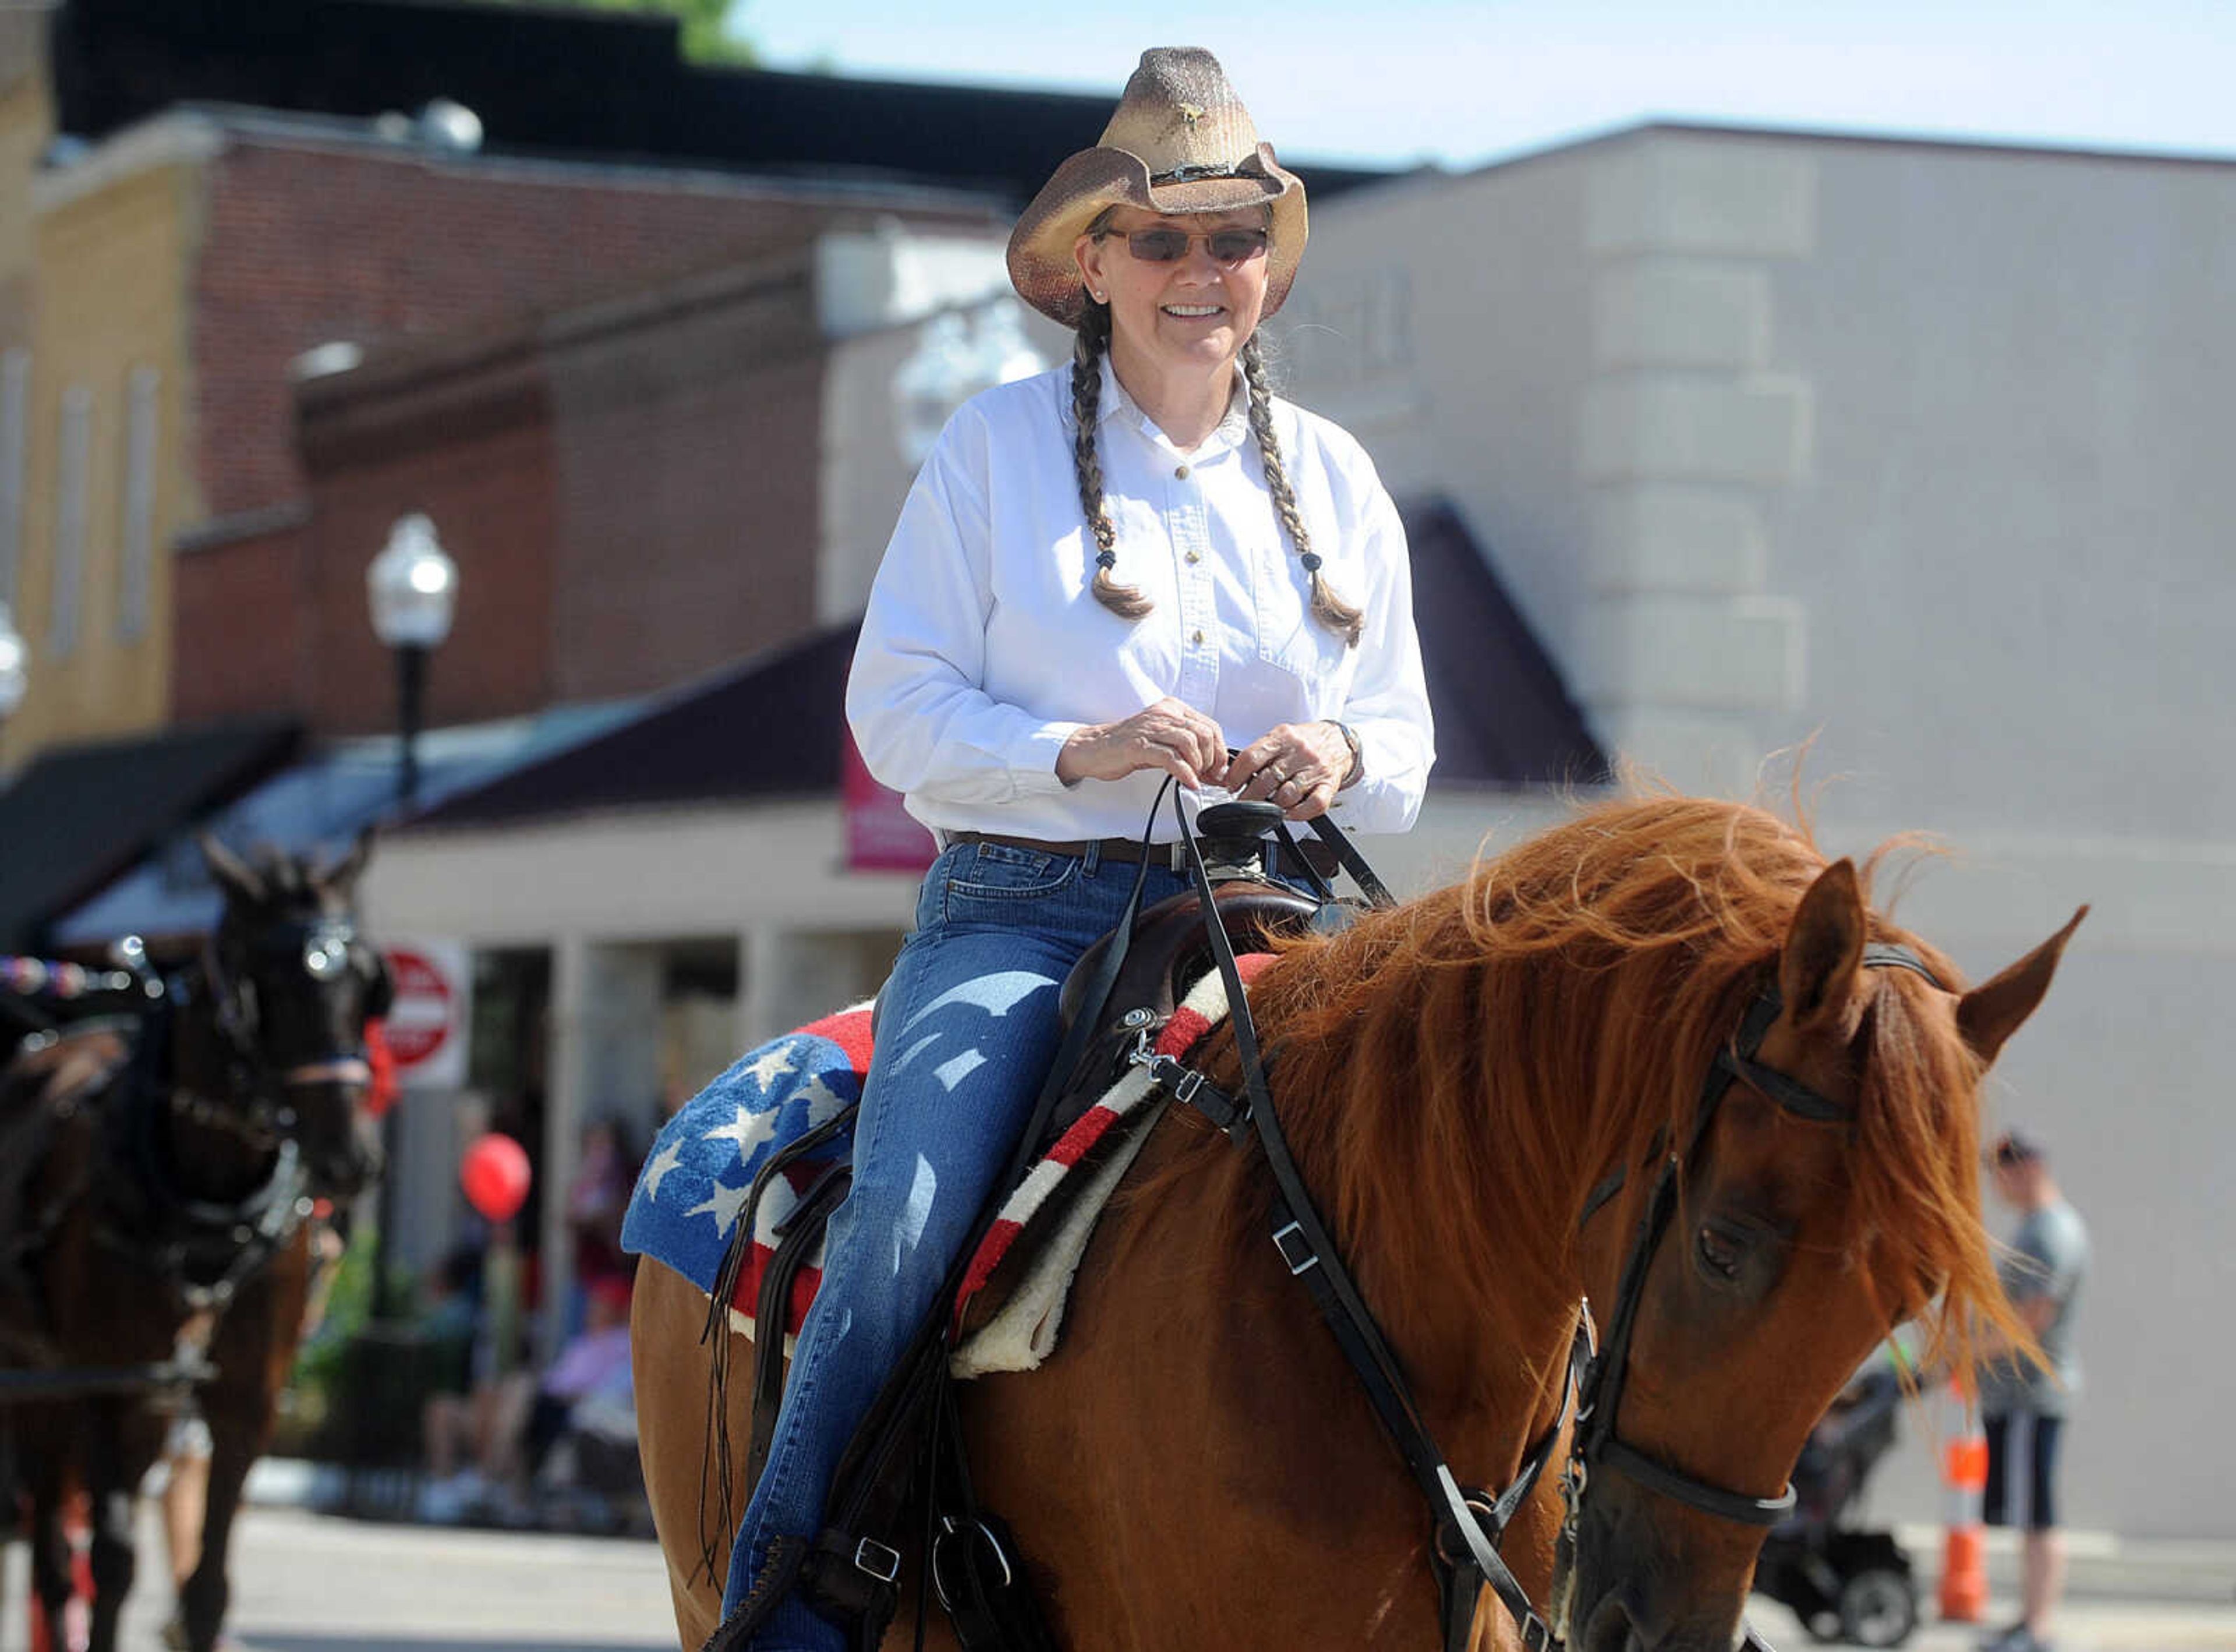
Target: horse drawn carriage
<point>165,1142</point>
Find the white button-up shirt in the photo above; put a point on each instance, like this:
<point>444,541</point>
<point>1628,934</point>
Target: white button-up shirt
<point>983,648</point>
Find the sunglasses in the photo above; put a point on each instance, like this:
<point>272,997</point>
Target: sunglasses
<point>1227,247</point>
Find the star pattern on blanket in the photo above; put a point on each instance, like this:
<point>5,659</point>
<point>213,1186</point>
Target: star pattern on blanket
<point>657,1167</point>
<point>750,1128</point>
<point>690,1196</point>
<point>723,1204</point>
<point>823,1103</point>
<point>771,1064</point>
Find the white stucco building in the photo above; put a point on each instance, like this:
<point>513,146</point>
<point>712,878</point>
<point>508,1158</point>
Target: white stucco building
<point>1920,451</point>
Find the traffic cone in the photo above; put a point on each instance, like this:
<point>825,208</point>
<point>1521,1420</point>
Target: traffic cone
<point>77,1616</point>
<point>1964,1555</point>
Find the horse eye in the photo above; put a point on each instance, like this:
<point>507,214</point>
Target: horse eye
<point>1721,1254</point>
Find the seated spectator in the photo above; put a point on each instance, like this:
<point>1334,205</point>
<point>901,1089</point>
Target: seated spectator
<point>587,1384</point>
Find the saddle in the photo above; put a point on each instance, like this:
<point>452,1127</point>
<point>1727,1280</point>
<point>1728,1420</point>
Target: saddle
<point>1169,952</point>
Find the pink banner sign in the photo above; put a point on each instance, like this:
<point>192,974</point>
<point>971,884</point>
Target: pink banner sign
<point>881,835</point>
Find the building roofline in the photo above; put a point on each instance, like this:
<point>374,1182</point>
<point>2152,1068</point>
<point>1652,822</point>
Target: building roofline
<point>193,133</point>
<point>1674,126</point>
<point>175,137</point>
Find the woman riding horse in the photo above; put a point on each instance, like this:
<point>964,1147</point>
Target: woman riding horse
<point>1105,574</point>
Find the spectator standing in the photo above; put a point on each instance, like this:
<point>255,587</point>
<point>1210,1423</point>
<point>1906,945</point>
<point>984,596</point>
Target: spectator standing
<point>2024,1406</point>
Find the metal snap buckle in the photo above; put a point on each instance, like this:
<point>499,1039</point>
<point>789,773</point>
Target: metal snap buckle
<point>1296,1250</point>
<point>879,1562</point>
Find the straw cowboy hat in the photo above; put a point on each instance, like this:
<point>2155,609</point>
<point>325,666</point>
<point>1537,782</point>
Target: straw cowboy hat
<point>1179,142</point>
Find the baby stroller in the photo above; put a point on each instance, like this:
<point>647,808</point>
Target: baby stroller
<point>1845,1584</point>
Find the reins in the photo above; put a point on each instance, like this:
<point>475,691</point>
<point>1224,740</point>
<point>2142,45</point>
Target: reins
<point>1469,1524</point>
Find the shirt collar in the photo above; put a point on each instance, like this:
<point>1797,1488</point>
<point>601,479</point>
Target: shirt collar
<point>1231,431</point>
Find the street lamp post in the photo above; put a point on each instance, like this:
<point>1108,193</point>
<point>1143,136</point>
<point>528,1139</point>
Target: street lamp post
<point>414,590</point>
<point>15,682</point>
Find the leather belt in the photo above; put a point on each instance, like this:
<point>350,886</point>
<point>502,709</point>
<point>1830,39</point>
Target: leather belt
<point>1316,855</point>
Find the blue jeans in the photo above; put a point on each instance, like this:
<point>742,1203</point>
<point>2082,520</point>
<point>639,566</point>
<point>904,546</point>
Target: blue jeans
<point>966,1028</point>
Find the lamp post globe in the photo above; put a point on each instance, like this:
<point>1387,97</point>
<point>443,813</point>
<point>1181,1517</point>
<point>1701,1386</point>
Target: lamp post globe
<point>15,682</point>
<point>413,587</point>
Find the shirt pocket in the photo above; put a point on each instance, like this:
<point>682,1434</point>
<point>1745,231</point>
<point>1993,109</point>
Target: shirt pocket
<point>1291,637</point>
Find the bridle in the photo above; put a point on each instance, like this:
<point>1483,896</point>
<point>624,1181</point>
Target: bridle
<point>326,947</point>
<point>1463,1553</point>
<point>1596,1443</point>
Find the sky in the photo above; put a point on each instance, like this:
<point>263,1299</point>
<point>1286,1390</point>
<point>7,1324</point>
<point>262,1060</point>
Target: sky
<point>1463,81</point>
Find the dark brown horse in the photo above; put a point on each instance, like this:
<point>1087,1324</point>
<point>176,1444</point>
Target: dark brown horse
<point>161,1179</point>
<point>1482,1088</point>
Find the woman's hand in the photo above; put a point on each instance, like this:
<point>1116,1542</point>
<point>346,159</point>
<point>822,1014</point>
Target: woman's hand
<point>1169,735</point>
<point>1298,765</point>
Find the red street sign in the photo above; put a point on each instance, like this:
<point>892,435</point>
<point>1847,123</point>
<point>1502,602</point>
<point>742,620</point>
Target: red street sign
<point>419,1020</point>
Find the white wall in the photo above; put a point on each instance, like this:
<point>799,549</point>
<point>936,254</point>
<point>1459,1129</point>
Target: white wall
<point>1921,451</point>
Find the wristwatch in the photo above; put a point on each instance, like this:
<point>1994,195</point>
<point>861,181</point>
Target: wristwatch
<point>1358,757</point>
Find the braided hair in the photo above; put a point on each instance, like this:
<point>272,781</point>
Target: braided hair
<point>1092,344</point>
<point>1087,352</point>
<point>1331,611</point>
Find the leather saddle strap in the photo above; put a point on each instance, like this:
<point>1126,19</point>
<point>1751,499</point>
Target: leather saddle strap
<point>771,1309</point>
<point>740,1248</point>
<point>1347,856</point>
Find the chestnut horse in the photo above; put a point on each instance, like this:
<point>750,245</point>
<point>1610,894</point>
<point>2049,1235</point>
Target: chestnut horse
<point>1463,1079</point>
<point>161,1183</point>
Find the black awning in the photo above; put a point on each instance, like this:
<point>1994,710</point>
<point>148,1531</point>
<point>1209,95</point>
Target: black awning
<point>1504,714</point>
<point>774,725</point>
<point>80,815</point>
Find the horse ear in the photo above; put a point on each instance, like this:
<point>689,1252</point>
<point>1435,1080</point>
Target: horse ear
<point>342,875</point>
<point>1821,969</point>
<point>1993,1011</point>
<point>234,875</point>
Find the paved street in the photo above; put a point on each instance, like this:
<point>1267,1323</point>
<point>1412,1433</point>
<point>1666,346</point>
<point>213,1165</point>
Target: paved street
<point>306,1583</point>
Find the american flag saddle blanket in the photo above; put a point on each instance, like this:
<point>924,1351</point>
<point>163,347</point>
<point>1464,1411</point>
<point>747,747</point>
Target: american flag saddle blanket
<point>691,1192</point>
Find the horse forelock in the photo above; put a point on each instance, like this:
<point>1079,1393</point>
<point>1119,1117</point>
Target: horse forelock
<point>1458,1073</point>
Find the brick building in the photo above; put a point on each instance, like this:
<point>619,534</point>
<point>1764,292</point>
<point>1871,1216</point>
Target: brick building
<point>318,242</point>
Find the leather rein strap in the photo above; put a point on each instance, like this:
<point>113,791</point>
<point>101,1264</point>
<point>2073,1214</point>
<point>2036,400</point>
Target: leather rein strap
<point>1468,1526</point>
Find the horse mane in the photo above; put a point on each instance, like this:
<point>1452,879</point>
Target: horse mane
<point>1478,1058</point>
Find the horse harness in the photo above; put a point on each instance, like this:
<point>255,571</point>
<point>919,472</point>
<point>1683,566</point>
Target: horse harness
<point>326,947</point>
<point>206,1250</point>
<point>1596,1442</point>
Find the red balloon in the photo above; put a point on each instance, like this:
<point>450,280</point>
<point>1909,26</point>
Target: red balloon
<point>495,1174</point>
